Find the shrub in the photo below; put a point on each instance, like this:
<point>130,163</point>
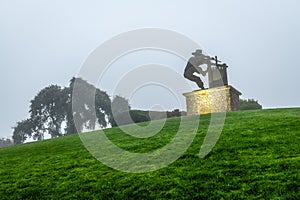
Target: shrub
<point>249,104</point>
<point>135,115</point>
<point>138,116</point>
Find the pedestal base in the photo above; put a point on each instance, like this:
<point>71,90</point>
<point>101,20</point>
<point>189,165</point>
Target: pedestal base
<point>219,99</point>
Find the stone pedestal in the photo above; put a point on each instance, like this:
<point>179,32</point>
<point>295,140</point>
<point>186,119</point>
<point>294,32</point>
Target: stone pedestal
<point>219,99</point>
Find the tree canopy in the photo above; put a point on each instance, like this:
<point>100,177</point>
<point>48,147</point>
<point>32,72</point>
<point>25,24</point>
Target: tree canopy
<point>52,111</point>
<point>48,111</point>
<point>22,131</point>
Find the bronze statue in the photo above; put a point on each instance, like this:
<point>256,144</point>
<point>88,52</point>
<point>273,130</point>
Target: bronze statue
<point>193,66</point>
<point>217,73</point>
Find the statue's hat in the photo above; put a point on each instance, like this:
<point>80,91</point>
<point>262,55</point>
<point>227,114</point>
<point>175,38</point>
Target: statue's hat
<point>198,52</point>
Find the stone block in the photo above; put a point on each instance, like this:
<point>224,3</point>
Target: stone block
<point>219,99</point>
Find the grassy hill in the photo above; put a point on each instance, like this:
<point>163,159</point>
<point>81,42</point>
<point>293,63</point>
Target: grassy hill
<point>256,157</point>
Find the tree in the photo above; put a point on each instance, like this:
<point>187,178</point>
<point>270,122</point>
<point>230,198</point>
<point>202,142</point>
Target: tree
<point>249,104</point>
<point>119,104</point>
<point>22,131</point>
<point>70,126</point>
<point>91,106</point>
<point>103,108</point>
<point>120,111</point>
<point>5,142</point>
<point>48,111</point>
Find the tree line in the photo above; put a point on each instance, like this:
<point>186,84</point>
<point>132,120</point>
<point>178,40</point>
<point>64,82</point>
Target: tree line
<point>51,111</point>
<point>250,104</point>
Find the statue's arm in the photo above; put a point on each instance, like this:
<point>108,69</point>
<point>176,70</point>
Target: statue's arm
<point>201,71</point>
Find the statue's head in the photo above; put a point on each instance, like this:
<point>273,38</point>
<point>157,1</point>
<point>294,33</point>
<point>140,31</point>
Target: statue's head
<point>198,52</point>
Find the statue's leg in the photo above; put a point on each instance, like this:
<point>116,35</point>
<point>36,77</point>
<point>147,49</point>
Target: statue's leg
<point>198,81</point>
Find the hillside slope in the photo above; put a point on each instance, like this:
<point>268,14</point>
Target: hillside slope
<point>257,156</point>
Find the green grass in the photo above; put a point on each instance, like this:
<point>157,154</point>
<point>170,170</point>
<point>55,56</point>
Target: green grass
<point>256,157</point>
